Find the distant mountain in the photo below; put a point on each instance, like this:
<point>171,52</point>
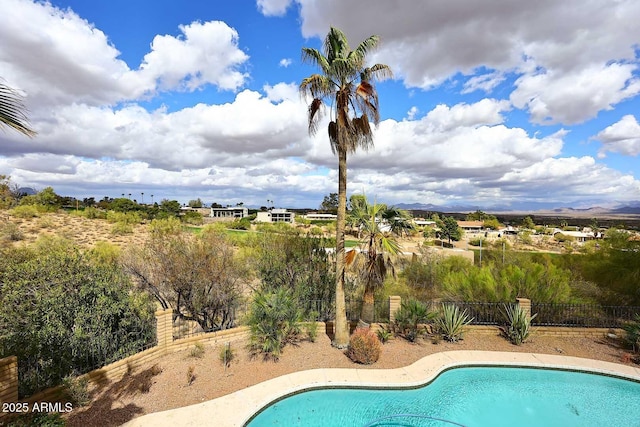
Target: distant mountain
<point>632,208</point>
<point>27,191</point>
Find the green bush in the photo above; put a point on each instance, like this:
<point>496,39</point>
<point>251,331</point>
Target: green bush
<point>39,419</point>
<point>197,350</point>
<point>76,390</point>
<point>193,218</point>
<point>274,321</point>
<point>518,326</point>
<point>94,213</point>
<point>452,322</point>
<point>364,347</point>
<point>121,228</point>
<point>311,328</point>
<point>25,211</point>
<point>240,224</point>
<point>12,232</point>
<point>633,333</point>
<point>409,318</point>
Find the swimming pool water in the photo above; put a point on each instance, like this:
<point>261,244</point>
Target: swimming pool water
<point>473,397</point>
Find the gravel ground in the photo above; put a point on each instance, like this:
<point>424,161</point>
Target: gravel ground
<point>167,384</point>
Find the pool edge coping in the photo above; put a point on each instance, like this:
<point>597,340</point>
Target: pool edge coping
<point>237,408</point>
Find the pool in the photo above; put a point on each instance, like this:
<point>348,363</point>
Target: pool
<point>471,397</point>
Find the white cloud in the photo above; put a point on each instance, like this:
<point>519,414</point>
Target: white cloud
<point>285,62</point>
<point>426,44</point>
<point>57,57</point>
<point>206,53</point>
<point>273,7</point>
<point>622,137</point>
<point>575,96</point>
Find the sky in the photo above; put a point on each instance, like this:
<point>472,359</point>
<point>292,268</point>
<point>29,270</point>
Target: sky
<point>494,104</point>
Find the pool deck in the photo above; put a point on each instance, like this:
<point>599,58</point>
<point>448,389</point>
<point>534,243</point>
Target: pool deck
<point>236,409</point>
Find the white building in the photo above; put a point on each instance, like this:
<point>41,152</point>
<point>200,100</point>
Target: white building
<point>314,216</point>
<point>236,212</point>
<point>276,215</point>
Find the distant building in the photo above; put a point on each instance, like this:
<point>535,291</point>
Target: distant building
<point>231,213</point>
<point>471,225</point>
<point>276,215</point>
<point>424,222</point>
<point>314,216</point>
<point>579,236</point>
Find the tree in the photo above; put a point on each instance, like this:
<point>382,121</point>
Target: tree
<point>449,229</point>
<point>528,223</point>
<point>378,226</point>
<point>355,104</point>
<point>299,264</point>
<point>195,203</point>
<point>330,203</point>
<point>13,111</point>
<point>199,277</point>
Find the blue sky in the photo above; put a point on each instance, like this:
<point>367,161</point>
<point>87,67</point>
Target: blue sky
<point>493,104</point>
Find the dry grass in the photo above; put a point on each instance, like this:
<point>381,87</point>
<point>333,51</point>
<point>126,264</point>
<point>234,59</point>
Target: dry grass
<point>84,232</point>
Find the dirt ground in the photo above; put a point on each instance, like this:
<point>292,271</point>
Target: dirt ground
<point>180,379</point>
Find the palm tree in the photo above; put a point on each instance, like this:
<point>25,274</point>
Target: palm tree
<point>12,111</point>
<point>378,227</point>
<point>345,82</point>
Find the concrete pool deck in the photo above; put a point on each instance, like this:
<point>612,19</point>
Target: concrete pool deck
<point>237,408</point>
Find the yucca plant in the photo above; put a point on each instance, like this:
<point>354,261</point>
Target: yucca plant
<point>452,322</point>
<point>518,326</point>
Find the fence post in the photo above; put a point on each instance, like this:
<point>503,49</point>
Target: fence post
<point>525,305</point>
<point>8,380</point>
<point>394,305</point>
<point>164,327</point>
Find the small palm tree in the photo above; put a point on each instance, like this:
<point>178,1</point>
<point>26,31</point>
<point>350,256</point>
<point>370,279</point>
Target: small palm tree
<point>346,83</point>
<point>12,111</point>
<point>378,227</point>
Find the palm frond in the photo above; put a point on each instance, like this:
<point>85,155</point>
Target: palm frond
<point>12,111</point>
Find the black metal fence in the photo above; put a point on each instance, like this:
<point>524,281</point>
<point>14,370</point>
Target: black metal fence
<point>49,366</point>
<point>582,315</point>
<point>548,314</point>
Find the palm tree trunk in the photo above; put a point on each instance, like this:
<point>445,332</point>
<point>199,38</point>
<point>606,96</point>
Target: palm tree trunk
<point>366,315</point>
<point>341,336</point>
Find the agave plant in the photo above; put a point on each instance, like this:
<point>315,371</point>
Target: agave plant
<point>452,322</point>
<point>518,326</point>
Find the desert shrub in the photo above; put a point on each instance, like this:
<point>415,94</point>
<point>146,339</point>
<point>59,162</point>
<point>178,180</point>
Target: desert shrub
<point>274,321</point>
<point>191,375</point>
<point>76,390</point>
<point>311,328</point>
<point>364,347</point>
<point>25,211</point>
<point>227,354</point>
<point>11,232</point>
<point>197,350</point>
<point>240,224</point>
<point>518,326</point>
<point>94,213</point>
<point>120,228</point>
<point>632,331</point>
<point>409,318</point>
<point>131,217</point>
<point>452,322</point>
<point>193,217</point>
